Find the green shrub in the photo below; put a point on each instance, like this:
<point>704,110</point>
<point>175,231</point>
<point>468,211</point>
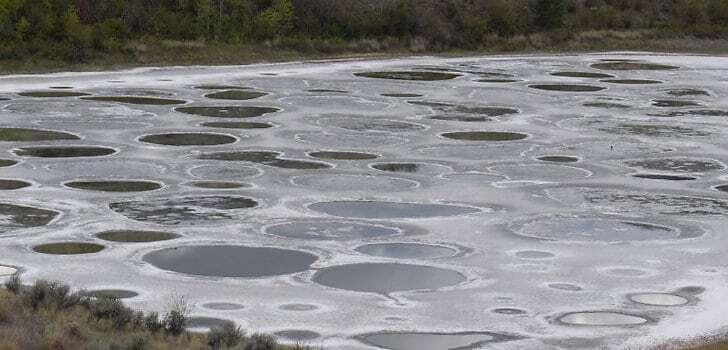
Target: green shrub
<point>14,283</point>
<point>113,310</point>
<point>228,336</point>
<point>260,341</point>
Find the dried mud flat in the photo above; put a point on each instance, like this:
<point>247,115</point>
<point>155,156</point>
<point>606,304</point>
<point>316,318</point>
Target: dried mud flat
<point>581,205</point>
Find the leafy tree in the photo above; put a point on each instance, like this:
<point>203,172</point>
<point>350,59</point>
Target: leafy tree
<point>277,20</point>
<point>550,13</point>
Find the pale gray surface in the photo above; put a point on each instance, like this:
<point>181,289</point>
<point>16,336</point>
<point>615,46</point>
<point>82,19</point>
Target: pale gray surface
<point>589,271</point>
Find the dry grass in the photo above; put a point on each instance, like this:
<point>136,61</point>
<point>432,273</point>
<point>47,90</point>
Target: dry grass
<point>47,316</point>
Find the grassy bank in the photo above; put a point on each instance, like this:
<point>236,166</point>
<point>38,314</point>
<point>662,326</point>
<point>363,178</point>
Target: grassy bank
<point>157,52</point>
<point>47,315</point>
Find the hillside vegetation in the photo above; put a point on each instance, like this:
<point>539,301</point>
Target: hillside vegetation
<point>62,32</point>
<point>48,316</point>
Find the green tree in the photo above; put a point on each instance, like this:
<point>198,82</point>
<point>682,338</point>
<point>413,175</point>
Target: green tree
<point>549,14</point>
<point>9,10</point>
<point>718,10</point>
<point>277,20</point>
<point>78,35</point>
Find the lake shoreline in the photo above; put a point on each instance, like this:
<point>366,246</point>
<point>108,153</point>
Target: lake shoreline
<point>157,53</point>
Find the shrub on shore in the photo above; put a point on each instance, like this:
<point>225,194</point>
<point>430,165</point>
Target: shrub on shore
<point>48,315</point>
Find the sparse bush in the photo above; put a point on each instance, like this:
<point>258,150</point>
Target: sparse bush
<point>138,343</point>
<point>14,284</point>
<point>228,335</point>
<point>113,310</point>
<point>260,341</point>
<point>152,322</point>
<point>48,316</point>
<point>51,294</point>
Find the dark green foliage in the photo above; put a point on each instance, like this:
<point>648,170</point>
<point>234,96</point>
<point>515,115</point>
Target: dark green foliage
<point>227,336</point>
<point>550,13</point>
<point>260,342</point>
<point>175,322</point>
<point>14,283</point>
<point>113,310</point>
<point>152,322</point>
<point>77,31</point>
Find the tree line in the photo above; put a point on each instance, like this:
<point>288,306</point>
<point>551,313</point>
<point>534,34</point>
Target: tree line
<point>75,29</point>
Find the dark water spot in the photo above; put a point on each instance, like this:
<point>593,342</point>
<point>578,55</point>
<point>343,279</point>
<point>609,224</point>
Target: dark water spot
<point>136,236</point>
<point>434,341</point>
<point>115,186</point>
<point>653,130</point>
<point>389,210</point>
<point>567,87</point>
<point>658,299</point>
<point>52,94</point>
<point>409,75</point>
<point>189,139</point>
<point>26,135</point>
<point>451,110</point>
<point>402,95</point>
<point>668,177</point>
<point>485,136</point>
<point>674,103</point>
<point>364,124</point>
<point>582,75</point>
<point>223,306</point>
<point>330,230</point>
<point>386,278</point>
<point>205,323</point>
<point>632,65</point>
<point>63,151</point>
<point>722,188</point>
<point>236,95</point>
<point>336,155</point>
<point>568,287</point>
<point>406,250</point>
<point>219,185</point>
<point>111,294</point>
<point>266,158</point>
<point>17,216</point>
<point>296,335</point>
<point>298,307</point>
<point>665,204</point>
<point>7,162</point>
<point>237,125</point>
<point>594,229</point>
<point>136,100</point>
<point>13,184</point>
<point>709,113</point>
<point>474,114</point>
<point>559,159</point>
<point>498,81</point>
<point>509,311</point>
<point>601,318</point>
<point>691,290</point>
<point>228,111</point>
<point>605,105</point>
<point>534,254</point>
<point>231,261</point>
<point>220,87</point>
<point>325,91</point>
<point>188,210</point>
<point>687,92</point>
<point>68,248</point>
<point>398,167</point>
<point>632,81</point>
